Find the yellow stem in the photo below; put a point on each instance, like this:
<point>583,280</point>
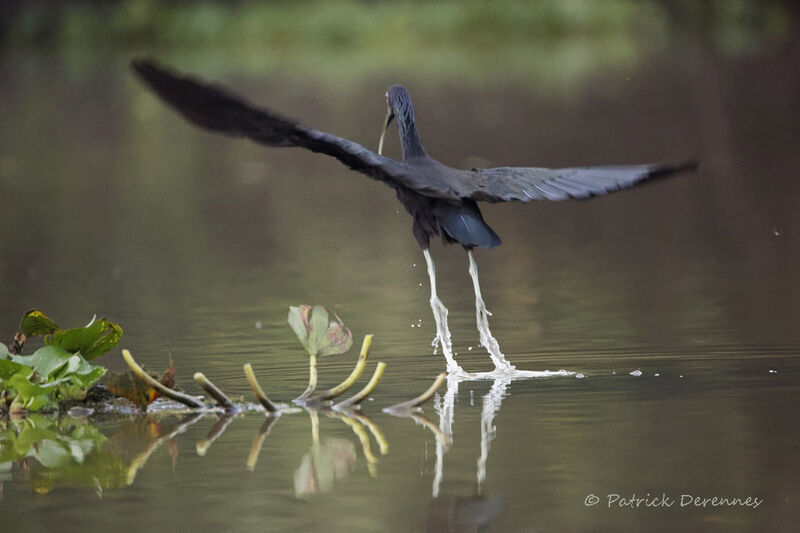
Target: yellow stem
<point>165,391</point>
<point>422,398</point>
<point>362,395</point>
<point>257,390</point>
<point>214,391</point>
<point>342,387</point>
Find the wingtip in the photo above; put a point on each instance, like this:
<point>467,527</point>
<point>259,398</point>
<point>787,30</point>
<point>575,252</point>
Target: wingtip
<point>150,70</point>
<point>689,164</point>
<point>140,63</point>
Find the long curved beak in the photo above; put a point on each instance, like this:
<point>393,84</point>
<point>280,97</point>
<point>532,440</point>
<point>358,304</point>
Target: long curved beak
<point>386,122</point>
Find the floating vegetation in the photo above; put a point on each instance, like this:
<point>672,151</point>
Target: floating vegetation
<point>57,372</point>
<point>321,333</point>
<point>320,336</point>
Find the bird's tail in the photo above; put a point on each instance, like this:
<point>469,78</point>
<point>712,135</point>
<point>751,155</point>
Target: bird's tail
<point>213,108</point>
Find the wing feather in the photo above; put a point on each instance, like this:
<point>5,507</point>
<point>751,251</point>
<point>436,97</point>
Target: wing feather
<point>212,107</point>
<point>505,184</point>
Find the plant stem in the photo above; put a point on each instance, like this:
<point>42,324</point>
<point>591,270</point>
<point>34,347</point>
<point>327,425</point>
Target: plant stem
<point>165,391</point>
<point>257,390</point>
<point>358,429</point>
<point>362,395</point>
<point>419,400</point>
<point>342,387</point>
<point>214,392</point>
<point>312,379</point>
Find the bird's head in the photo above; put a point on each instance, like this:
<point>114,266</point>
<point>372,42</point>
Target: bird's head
<point>398,105</point>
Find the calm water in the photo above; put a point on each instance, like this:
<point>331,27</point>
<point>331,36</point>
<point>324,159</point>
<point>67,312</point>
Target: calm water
<point>198,244</point>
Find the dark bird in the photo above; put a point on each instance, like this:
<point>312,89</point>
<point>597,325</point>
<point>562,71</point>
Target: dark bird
<point>441,200</point>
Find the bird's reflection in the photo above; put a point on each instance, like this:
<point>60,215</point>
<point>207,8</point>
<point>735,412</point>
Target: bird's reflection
<point>491,405</point>
<point>461,513</point>
<point>445,407</point>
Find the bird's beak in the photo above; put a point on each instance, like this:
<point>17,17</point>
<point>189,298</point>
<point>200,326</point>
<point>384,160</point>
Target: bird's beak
<point>386,122</point>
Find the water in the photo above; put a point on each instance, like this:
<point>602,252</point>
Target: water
<point>197,245</point>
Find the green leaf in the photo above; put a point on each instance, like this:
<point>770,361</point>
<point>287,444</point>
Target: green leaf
<point>91,341</point>
<point>319,323</point>
<point>37,323</point>
<point>336,339</point>
<point>47,360</point>
<point>30,395</point>
<point>318,334</point>
<point>86,379</point>
<point>298,320</point>
<point>10,368</point>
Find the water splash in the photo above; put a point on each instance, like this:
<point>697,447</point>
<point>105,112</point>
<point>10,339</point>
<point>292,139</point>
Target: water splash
<point>440,317</point>
<point>482,320</point>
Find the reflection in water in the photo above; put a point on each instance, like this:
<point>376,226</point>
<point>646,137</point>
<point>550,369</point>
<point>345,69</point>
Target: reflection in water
<point>258,440</point>
<point>325,463</point>
<point>446,408</point>
<point>214,433</point>
<point>49,452</point>
<point>461,514</point>
<point>71,453</point>
<point>491,405</point>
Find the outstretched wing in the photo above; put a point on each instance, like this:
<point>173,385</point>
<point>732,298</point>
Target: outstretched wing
<point>505,184</point>
<point>211,107</point>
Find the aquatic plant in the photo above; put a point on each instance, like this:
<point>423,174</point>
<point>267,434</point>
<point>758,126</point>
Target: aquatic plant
<point>319,335</point>
<point>58,371</point>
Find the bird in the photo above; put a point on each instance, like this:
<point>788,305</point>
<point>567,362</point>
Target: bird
<point>441,200</point>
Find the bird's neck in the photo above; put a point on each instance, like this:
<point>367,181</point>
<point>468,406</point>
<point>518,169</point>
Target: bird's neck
<point>411,143</point>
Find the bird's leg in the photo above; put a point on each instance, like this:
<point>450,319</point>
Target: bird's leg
<point>440,316</point>
<point>482,318</point>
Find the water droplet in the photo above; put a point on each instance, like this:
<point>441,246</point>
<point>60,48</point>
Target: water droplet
<point>656,374</point>
<point>773,371</point>
<point>579,375</point>
<point>469,348</point>
<point>636,373</point>
<point>259,325</point>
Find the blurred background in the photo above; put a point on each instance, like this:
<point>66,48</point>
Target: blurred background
<point>197,244</point>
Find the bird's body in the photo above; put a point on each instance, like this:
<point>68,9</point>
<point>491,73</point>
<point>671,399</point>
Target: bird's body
<point>441,200</point>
